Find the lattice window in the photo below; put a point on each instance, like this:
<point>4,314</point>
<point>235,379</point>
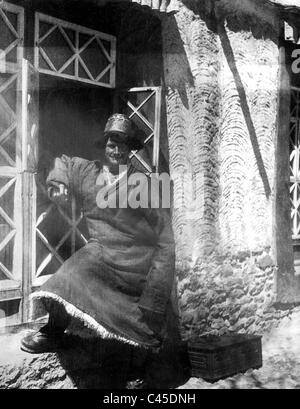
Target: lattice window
<point>143,106</point>
<point>70,51</point>
<point>11,264</point>
<point>54,246</point>
<point>10,274</point>
<point>11,35</point>
<point>295,161</point>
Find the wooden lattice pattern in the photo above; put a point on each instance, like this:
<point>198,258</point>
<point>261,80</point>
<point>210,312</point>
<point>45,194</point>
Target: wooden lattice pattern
<point>143,106</point>
<point>11,45</point>
<point>11,35</point>
<point>8,121</point>
<point>72,233</point>
<point>30,117</point>
<point>71,51</point>
<point>295,161</point>
<point>9,226</point>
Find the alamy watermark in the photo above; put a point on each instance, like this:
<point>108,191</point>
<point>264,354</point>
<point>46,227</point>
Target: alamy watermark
<point>296,61</point>
<point>137,190</point>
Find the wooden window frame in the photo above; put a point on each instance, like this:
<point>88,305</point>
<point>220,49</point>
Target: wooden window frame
<point>155,92</point>
<point>76,49</point>
<point>11,289</point>
<point>72,220</point>
<point>19,34</point>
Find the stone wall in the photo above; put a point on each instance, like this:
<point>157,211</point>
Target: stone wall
<point>222,86</point>
<point>235,293</point>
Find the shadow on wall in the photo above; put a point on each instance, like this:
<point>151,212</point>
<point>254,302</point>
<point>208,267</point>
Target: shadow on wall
<point>214,17</point>
<point>180,78</point>
<point>139,42</point>
<point>228,52</point>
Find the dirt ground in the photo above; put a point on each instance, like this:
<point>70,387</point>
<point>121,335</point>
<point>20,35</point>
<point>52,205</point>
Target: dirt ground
<point>281,362</point>
<point>280,370</point>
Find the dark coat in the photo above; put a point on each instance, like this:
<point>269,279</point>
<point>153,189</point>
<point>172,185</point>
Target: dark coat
<point>124,276</point>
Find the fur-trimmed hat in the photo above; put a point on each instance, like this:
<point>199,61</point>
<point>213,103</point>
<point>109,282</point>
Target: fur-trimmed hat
<point>121,125</point>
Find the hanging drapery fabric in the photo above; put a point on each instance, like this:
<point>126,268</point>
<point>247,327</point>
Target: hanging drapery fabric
<point>286,2</point>
<point>162,6</point>
<point>290,12</point>
<point>165,6</point>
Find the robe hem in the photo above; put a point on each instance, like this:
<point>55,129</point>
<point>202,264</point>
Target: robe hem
<point>84,318</point>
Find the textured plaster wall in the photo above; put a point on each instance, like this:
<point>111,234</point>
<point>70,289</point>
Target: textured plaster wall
<point>222,86</point>
<point>246,162</point>
<point>191,74</point>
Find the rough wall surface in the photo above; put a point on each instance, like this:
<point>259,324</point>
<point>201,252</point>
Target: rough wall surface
<point>24,371</point>
<point>246,144</point>
<point>191,74</point>
<point>222,85</point>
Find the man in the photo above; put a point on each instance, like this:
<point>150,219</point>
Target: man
<point>121,283</point>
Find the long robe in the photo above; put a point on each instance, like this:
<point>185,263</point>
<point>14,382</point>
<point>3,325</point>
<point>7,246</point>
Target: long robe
<point>121,283</point>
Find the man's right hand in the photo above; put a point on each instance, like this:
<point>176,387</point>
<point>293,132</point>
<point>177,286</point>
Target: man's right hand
<point>59,194</point>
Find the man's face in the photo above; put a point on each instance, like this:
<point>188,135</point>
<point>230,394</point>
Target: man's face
<point>116,152</point>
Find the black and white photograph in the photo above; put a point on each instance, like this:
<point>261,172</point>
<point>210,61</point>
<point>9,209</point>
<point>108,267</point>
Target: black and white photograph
<point>149,197</point>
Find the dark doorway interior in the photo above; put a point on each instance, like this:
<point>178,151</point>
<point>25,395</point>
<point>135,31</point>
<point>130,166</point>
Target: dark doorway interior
<point>72,117</point>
